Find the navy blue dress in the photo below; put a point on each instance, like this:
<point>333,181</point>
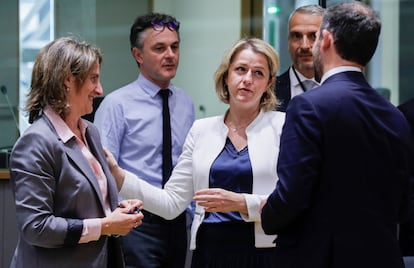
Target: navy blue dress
<point>225,240</point>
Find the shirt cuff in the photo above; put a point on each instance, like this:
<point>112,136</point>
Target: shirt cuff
<point>253,202</point>
<point>91,230</point>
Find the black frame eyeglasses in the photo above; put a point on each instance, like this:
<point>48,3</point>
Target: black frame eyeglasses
<point>160,26</point>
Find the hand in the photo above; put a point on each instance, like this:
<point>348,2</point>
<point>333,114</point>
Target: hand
<point>121,220</point>
<point>220,200</point>
<point>117,172</point>
<point>133,205</point>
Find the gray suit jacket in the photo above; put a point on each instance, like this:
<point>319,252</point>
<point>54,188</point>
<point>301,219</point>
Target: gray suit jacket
<point>55,189</point>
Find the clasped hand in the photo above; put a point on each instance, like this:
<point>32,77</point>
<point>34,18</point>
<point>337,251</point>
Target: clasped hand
<point>220,200</point>
<point>123,218</point>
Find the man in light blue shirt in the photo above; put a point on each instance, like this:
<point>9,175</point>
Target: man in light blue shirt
<point>130,120</point>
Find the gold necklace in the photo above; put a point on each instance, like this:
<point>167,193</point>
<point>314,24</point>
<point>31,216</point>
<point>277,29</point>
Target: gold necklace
<point>234,129</point>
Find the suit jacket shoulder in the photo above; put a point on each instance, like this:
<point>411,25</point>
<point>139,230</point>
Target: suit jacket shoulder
<point>407,108</point>
<point>282,91</point>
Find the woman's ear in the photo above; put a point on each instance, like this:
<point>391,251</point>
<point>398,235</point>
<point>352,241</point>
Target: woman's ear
<point>70,81</point>
<point>272,82</point>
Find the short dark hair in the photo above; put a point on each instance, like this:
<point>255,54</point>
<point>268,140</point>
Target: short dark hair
<point>355,28</point>
<point>141,23</point>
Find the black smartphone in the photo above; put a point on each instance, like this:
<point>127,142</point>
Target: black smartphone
<point>135,209</point>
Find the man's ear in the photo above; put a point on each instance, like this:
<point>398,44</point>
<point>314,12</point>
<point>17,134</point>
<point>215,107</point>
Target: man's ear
<point>137,55</point>
<point>327,39</point>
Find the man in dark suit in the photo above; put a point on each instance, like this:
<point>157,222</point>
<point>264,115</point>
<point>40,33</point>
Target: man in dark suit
<point>406,230</point>
<point>345,160</point>
<point>407,108</point>
<point>303,24</point>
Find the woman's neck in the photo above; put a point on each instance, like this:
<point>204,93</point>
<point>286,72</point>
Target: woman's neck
<point>239,119</point>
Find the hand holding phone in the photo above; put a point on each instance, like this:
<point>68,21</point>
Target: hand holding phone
<point>135,209</point>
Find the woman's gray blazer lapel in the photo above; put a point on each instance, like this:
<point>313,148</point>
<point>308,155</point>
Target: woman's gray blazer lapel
<point>95,145</point>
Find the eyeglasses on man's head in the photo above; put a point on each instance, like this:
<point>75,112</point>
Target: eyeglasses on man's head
<point>160,26</point>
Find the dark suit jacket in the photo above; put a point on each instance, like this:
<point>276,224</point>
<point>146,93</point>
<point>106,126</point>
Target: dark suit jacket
<point>344,174</point>
<point>282,91</point>
<point>407,228</point>
<point>55,189</point>
<point>407,108</point>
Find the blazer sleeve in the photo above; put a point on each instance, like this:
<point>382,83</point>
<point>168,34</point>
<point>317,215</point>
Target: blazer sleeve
<point>178,192</point>
<point>298,163</point>
<point>33,170</point>
<point>263,150</point>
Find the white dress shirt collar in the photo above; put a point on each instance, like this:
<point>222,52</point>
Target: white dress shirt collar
<point>339,69</point>
<point>295,87</point>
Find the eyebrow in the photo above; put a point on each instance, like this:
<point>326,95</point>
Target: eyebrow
<point>165,44</point>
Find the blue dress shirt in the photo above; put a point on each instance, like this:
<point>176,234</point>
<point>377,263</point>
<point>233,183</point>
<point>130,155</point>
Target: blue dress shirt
<point>130,123</point>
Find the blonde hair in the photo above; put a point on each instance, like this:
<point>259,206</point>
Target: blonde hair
<point>268,100</point>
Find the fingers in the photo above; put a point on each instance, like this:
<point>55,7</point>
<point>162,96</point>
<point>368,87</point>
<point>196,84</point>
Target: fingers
<point>220,200</point>
<point>128,216</point>
<point>134,221</point>
<point>211,199</point>
<point>119,222</point>
<point>209,191</point>
<point>131,204</point>
<point>137,223</point>
<point>213,205</point>
<point>112,163</point>
<point>135,203</point>
<point>106,151</point>
<point>208,195</point>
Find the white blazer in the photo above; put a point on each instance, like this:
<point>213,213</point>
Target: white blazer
<point>204,142</point>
